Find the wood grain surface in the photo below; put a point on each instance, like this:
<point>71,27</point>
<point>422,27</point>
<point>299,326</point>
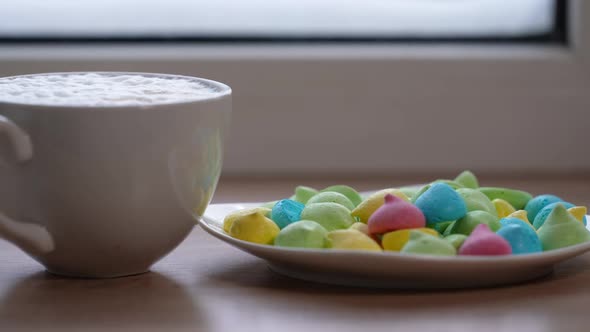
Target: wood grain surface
<point>206,285</point>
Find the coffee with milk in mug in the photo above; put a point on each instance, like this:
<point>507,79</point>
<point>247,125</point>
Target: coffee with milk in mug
<point>103,89</point>
<point>104,173</point>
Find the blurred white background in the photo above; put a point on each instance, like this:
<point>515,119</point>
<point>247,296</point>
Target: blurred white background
<point>343,18</point>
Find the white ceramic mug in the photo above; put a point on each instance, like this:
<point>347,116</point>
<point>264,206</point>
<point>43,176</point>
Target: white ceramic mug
<point>106,191</point>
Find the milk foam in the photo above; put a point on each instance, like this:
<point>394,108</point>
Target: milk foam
<point>103,89</point>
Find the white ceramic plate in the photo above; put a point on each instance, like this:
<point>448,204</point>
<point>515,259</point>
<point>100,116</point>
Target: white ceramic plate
<point>390,269</point>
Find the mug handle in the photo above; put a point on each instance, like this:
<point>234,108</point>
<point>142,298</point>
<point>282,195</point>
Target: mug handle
<point>32,238</point>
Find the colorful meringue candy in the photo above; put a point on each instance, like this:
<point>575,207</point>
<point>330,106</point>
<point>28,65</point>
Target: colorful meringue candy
<point>254,227</point>
<point>426,244</point>
<point>303,194</point>
<point>441,203</point>
<point>561,229</point>
<point>522,237</point>
<point>541,217</point>
<point>361,227</point>
<point>367,207</point>
<point>351,239</point>
<point>268,205</point>
<point>347,191</point>
<point>410,191</point>
<point>537,204</point>
<point>522,215</point>
<point>484,242</point>
<point>331,216</point>
<point>464,213</point>
<point>302,234</point>
<point>467,179</point>
<point>447,230</point>
<point>475,200</point>
<point>286,211</point>
<point>228,221</point>
<point>453,184</point>
<point>456,240</point>
<point>503,208</point>
<point>517,198</point>
<point>515,221</point>
<point>395,214</point>
<point>396,240</point>
<point>467,224</point>
<point>579,212</point>
<point>419,193</point>
<point>331,197</point>
<point>441,227</point>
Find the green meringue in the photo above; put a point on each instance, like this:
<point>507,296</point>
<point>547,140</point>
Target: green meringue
<point>561,229</point>
<point>422,243</point>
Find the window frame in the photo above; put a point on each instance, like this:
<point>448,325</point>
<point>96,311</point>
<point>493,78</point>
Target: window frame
<point>557,35</point>
<point>292,114</point>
